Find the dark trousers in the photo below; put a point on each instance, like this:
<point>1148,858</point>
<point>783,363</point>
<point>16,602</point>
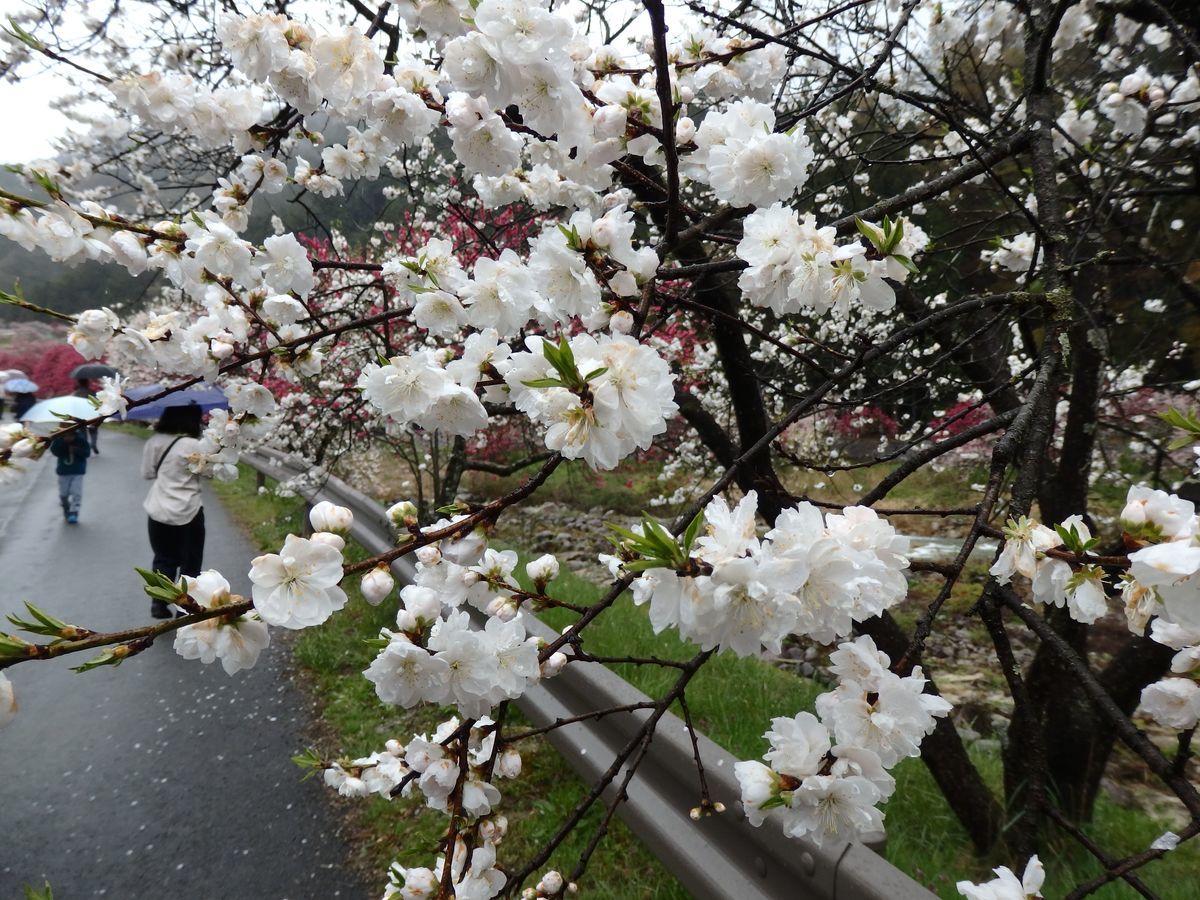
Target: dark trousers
<point>178,549</point>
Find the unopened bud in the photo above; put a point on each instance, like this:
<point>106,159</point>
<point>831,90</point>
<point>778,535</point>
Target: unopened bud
<point>403,514</point>
<point>424,603</point>
<point>551,883</point>
<point>503,608</point>
<point>429,555</point>
<point>685,130</point>
<point>621,322</point>
<point>542,570</point>
<point>377,584</point>
<point>329,539</point>
<point>554,665</point>
<point>326,516</point>
<point>509,764</point>
<point>406,621</point>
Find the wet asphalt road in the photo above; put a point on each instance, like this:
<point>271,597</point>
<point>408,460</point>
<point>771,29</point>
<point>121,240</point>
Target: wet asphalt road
<point>163,778</point>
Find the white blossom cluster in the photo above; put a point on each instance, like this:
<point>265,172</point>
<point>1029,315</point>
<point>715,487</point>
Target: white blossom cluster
<point>435,655</point>
<point>1128,104</point>
<point>828,774</point>
<point>1161,588</point>
<point>794,265</point>
<point>433,765</point>
<point>237,642</point>
<point>625,404</point>
<point>812,574</point>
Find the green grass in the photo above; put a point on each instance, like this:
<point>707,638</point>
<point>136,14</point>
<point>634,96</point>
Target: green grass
<point>574,484</point>
<point>732,700</point>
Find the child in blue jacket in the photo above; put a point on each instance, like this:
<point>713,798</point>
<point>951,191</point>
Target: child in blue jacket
<point>72,452</point>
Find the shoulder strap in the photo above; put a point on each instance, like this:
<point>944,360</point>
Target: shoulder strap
<point>164,454</point>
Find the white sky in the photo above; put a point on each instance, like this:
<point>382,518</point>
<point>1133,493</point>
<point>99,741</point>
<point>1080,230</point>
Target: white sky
<point>28,123</point>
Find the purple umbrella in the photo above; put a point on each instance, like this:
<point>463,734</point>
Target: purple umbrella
<point>203,395</point>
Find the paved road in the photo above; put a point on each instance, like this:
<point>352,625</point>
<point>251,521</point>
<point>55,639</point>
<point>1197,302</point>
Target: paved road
<point>163,778</point>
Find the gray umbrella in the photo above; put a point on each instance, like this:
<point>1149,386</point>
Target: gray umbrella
<point>93,370</point>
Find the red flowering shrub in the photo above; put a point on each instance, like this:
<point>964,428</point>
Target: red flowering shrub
<point>47,363</point>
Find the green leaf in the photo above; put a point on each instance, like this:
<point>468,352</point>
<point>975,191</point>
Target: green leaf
<point>907,263</point>
<point>24,36</point>
<point>311,761</point>
<point>693,530</point>
<point>112,656</point>
<point>43,624</point>
<point>595,373</point>
<point>870,232</point>
<point>13,647</point>
<point>543,383</point>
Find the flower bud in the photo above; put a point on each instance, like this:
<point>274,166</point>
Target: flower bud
<point>554,665</point>
<point>377,584</point>
<point>24,448</point>
<point>503,608</point>
<point>621,322</point>
<point>551,883</point>
<point>685,130</point>
<point>220,349</point>
<point>429,555</point>
<point>406,621</point>
<point>326,516</point>
<point>609,122</point>
<point>493,828</point>
<point>542,570</point>
<point>509,764</point>
<point>329,539</point>
<point>603,233</point>
<point>1134,513</point>
<point>403,514</point>
<point>422,602</point>
<point>394,747</point>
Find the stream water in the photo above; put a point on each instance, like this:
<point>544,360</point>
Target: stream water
<point>944,549</point>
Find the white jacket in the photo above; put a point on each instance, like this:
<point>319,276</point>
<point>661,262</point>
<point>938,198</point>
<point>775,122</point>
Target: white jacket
<point>174,498</point>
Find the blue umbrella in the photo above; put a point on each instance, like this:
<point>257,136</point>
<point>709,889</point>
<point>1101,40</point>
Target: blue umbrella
<point>203,395</point>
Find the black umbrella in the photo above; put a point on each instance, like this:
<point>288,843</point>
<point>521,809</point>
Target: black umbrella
<point>93,370</point>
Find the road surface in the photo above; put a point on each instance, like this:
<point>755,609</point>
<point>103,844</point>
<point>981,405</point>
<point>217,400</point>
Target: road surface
<point>163,778</point>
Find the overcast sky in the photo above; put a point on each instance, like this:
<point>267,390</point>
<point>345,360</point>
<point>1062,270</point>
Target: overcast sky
<point>29,122</point>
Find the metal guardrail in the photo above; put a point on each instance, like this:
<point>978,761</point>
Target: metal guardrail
<point>717,858</point>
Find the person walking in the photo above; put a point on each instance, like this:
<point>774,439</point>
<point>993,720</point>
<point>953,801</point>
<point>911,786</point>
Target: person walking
<point>83,388</point>
<point>22,401</point>
<point>174,505</point>
<point>72,452</point>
